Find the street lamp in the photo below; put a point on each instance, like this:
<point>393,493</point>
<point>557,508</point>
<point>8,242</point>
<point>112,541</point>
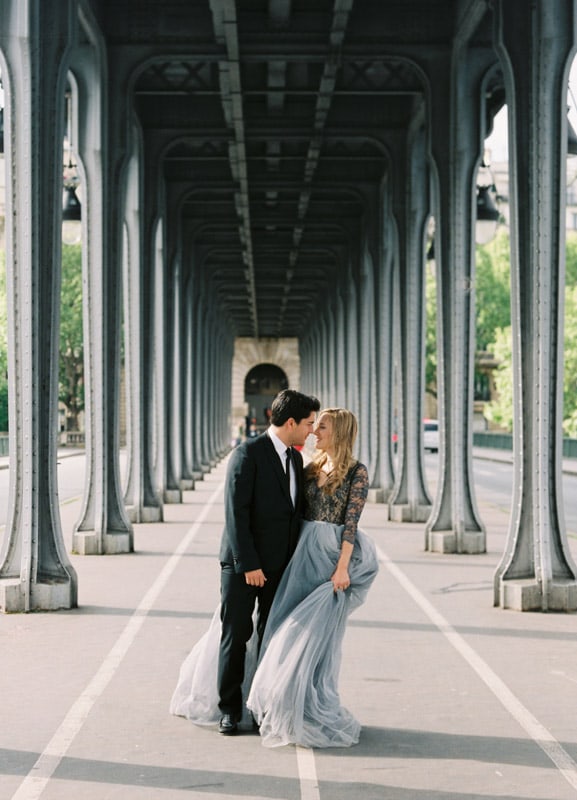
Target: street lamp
<point>71,208</point>
<point>487,214</point>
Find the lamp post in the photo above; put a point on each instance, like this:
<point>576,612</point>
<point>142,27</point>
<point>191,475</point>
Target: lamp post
<point>487,214</point>
<point>71,207</point>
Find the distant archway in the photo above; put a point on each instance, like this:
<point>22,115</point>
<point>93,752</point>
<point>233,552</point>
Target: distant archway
<point>261,385</point>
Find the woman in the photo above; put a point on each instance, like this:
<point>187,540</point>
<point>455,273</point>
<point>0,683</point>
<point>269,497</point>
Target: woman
<point>294,696</point>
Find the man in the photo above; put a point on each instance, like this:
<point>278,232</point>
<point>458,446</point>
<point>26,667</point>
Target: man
<point>262,519</point>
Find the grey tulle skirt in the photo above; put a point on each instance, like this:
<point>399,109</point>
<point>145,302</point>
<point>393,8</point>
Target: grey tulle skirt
<point>293,694</point>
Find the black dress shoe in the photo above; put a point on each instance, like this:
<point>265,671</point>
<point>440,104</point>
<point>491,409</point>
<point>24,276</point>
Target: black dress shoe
<point>228,725</point>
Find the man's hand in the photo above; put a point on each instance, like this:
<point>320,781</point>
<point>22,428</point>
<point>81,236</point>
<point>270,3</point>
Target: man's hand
<point>255,577</point>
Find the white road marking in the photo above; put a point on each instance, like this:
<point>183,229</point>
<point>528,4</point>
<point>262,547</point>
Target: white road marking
<point>540,735</point>
<point>37,779</point>
<point>307,773</point>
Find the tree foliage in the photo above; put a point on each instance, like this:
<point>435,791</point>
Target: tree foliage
<point>492,303</point>
<point>71,349</point>
<point>71,372</point>
<point>500,410</point>
<point>492,290</point>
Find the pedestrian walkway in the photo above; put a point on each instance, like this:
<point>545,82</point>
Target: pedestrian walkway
<point>458,700</point>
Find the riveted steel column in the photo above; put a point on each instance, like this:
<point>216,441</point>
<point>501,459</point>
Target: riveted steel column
<point>454,525</point>
<point>386,310</point>
<point>35,573</point>
<point>209,385</point>
<point>141,498</point>
<point>352,352</point>
<point>535,44</point>
<point>188,386</point>
<point>200,462</point>
<point>183,332</point>
<point>340,349</point>
<point>330,394</point>
<point>306,363</point>
<point>409,501</point>
<point>103,526</point>
<point>324,356</point>
<point>174,432</point>
<point>201,372</point>
<point>368,414</point>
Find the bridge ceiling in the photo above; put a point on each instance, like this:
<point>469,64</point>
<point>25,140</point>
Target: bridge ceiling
<point>272,117</point>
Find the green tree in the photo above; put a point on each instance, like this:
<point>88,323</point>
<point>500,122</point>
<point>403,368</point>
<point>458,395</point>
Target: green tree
<point>492,303</point>
<point>492,289</point>
<point>500,410</point>
<point>71,372</point>
<point>570,352</point>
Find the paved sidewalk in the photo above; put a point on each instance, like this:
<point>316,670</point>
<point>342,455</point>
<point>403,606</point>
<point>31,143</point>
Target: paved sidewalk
<point>458,700</point>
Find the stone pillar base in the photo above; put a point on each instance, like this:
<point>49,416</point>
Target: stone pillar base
<point>527,595</point>
<point>409,513</point>
<point>89,543</point>
<point>470,542</point>
<point>144,514</point>
<point>376,496</point>
<point>172,496</point>
<point>186,484</point>
<point>198,476</point>
<point>43,596</point>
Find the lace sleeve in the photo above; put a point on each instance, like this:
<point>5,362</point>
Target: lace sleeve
<point>356,502</point>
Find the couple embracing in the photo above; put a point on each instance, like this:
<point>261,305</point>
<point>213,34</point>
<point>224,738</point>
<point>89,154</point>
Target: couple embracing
<point>294,564</point>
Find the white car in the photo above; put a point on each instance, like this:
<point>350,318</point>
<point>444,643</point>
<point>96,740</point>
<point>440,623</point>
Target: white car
<point>431,435</point>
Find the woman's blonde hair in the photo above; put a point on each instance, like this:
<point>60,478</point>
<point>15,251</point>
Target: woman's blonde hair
<point>344,433</point>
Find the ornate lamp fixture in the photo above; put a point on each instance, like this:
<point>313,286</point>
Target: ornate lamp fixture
<point>487,214</point>
<point>71,208</point>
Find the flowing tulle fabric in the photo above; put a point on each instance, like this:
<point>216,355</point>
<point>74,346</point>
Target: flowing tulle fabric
<point>196,693</point>
<point>294,692</point>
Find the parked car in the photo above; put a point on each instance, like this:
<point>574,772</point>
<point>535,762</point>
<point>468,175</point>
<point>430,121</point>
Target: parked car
<point>431,435</point>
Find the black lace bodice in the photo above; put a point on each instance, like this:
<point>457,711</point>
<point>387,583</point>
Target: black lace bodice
<point>345,506</point>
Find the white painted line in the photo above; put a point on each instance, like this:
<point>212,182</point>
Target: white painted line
<point>307,773</point>
<point>35,782</point>
<point>540,735</point>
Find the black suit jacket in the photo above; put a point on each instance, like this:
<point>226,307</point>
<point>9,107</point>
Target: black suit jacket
<point>261,524</point>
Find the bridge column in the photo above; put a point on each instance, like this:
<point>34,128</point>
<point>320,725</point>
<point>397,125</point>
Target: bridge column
<point>535,45</point>
<point>454,525</point>
<point>141,498</point>
<point>35,573</point>
<point>103,525</point>
<point>350,296</point>
<point>187,367</point>
<point>410,501</point>
<point>203,371</point>
<point>384,352</point>
<point>174,417</point>
<point>368,411</point>
<point>331,349</point>
<point>197,366</point>
<point>339,347</point>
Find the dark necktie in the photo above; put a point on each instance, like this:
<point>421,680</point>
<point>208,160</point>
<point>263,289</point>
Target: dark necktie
<point>288,468</point>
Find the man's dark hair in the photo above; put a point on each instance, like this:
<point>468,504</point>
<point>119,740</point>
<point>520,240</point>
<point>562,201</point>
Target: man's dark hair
<point>290,403</point>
